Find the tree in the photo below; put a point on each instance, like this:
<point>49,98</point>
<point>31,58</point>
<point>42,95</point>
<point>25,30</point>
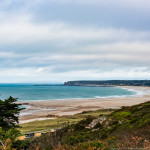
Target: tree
<point>9,113</point>
<point>8,138</point>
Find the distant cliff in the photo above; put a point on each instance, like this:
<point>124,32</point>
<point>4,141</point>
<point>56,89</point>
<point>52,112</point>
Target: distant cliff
<point>109,83</point>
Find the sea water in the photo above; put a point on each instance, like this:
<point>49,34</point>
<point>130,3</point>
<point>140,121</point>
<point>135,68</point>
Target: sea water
<point>25,92</point>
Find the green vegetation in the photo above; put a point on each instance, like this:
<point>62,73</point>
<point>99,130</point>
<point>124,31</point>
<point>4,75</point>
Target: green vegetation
<point>128,127</point>
<point>109,83</point>
<point>46,124</point>
<point>8,138</point>
<point>9,112</point>
<point>61,121</point>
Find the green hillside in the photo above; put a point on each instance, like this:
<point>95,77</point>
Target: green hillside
<point>125,128</point>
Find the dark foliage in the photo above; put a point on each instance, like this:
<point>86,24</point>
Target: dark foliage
<point>109,83</point>
<point>9,112</point>
<point>21,145</point>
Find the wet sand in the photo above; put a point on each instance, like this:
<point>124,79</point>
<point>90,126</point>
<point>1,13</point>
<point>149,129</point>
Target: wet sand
<point>40,109</point>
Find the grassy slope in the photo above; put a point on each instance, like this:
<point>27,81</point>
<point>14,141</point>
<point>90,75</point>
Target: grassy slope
<point>51,124</point>
<point>127,124</point>
<point>127,127</point>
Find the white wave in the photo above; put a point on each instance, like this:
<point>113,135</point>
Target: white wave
<point>135,92</point>
<point>113,96</point>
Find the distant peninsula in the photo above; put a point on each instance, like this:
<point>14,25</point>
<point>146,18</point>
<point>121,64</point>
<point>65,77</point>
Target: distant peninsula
<point>108,83</point>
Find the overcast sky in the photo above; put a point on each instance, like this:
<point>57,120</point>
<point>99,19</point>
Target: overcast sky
<point>52,41</point>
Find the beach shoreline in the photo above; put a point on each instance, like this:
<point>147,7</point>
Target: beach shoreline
<point>44,108</point>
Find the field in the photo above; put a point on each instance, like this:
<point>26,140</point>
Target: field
<point>60,121</point>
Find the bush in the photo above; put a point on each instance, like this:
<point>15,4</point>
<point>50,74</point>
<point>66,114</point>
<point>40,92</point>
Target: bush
<point>21,144</point>
<point>94,145</point>
<point>73,140</point>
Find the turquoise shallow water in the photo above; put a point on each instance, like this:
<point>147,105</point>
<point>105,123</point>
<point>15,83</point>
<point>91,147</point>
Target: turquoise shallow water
<point>54,92</point>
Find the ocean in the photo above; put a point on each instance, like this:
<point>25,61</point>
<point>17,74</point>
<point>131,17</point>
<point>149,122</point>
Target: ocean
<point>25,92</point>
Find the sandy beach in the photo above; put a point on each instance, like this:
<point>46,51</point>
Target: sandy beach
<point>44,108</point>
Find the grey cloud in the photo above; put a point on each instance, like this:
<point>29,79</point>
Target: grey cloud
<point>93,39</point>
<point>127,14</point>
<point>114,13</point>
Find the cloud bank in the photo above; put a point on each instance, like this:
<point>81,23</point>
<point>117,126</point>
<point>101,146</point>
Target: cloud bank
<point>55,41</point>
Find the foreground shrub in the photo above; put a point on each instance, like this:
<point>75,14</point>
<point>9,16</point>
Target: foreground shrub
<point>93,145</point>
<point>139,138</point>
